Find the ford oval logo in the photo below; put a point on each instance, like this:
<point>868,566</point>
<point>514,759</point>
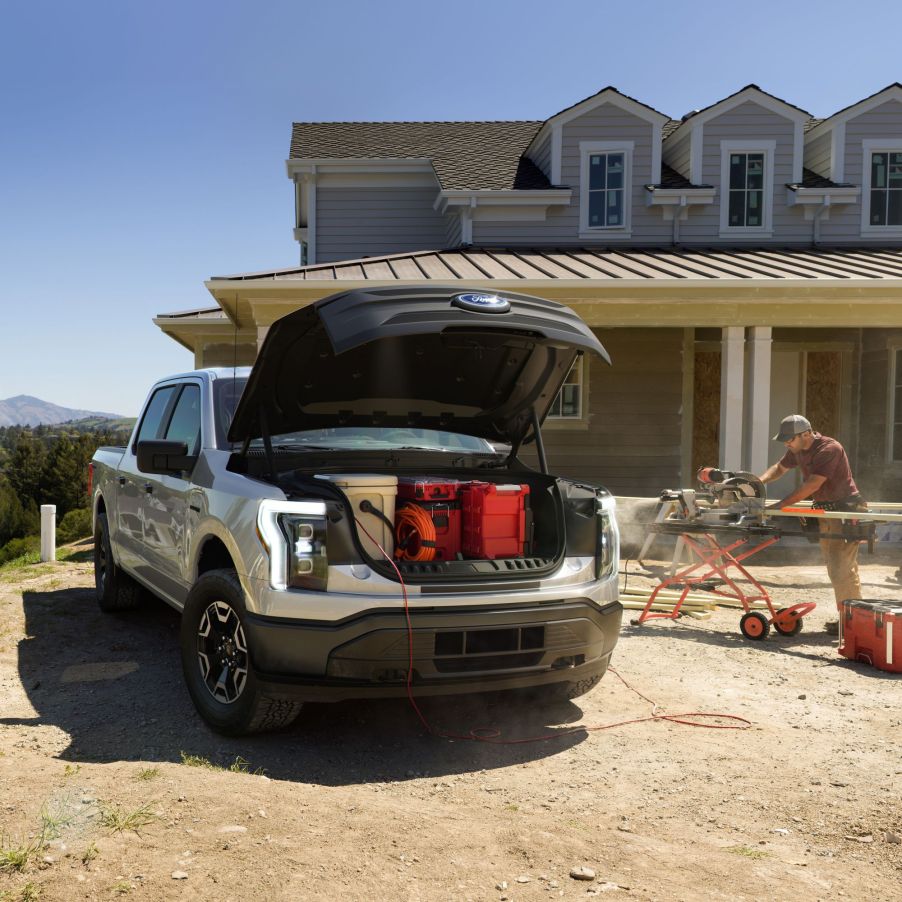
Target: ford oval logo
<point>482,303</point>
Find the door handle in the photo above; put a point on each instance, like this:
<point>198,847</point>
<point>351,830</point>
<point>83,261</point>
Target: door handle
<point>148,487</point>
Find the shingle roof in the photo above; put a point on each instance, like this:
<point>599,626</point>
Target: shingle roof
<point>465,155</point>
<point>670,178</point>
<point>811,179</point>
<point>581,263</point>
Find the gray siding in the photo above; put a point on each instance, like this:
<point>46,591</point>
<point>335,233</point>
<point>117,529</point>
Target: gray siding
<point>752,122</point>
<point>561,226</point>
<point>817,154</point>
<point>357,222</point>
<point>632,444</point>
<point>541,155</point>
<point>884,121</point>
<point>452,230</point>
<point>676,154</point>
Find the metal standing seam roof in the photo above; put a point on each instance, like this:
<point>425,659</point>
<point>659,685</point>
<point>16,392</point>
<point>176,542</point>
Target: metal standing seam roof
<point>581,263</point>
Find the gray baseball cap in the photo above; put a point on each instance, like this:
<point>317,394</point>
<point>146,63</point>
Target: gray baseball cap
<point>794,424</point>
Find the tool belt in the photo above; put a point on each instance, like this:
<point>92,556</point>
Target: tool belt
<point>852,530</point>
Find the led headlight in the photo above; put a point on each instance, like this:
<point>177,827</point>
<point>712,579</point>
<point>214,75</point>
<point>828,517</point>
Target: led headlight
<point>294,536</point>
<point>607,552</point>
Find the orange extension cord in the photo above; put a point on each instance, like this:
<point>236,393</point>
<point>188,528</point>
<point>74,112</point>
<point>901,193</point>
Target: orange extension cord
<point>493,735</point>
<point>414,534</point>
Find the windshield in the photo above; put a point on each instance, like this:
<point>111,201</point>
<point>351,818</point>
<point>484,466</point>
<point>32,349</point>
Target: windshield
<point>226,393</point>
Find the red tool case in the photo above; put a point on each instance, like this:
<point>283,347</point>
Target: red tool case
<point>871,632</point>
<point>494,520</point>
<point>441,500</point>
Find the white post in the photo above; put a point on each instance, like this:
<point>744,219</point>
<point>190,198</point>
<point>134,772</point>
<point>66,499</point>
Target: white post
<point>757,441</point>
<point>48,532</point>
<point>731,368</point>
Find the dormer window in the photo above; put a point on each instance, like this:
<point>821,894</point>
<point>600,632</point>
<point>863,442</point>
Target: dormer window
<point>881,189</point>
<point>886,189</point>
<point>747,188</point>
<point>606,189</point>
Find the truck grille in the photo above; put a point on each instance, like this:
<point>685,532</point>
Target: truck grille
<point>468,651</point>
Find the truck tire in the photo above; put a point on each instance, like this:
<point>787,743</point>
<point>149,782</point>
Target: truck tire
<point>116,590</point>
<point>218,663</point>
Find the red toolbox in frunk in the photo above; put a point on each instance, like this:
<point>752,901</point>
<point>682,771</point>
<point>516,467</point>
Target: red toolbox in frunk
<point>494,520</point>
<point>871,632</point>
<point>441,500</point>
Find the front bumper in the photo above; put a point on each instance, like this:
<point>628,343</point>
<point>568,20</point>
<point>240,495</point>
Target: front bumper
<point>460,649</point>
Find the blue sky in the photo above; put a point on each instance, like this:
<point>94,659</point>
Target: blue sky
<point>143,145</point>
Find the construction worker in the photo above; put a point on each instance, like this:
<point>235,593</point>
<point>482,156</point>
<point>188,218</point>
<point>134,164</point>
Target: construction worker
<point>827,481</point>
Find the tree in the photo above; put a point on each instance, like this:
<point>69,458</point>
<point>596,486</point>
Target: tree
<point>64,481</point>
<point>14,521</point>
<point>25,469</point>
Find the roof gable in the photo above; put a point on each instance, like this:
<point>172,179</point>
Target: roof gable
<point>890,92</point>
<point>749,93</point>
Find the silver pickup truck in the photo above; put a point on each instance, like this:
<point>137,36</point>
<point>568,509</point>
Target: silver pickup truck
<point>265,505</point>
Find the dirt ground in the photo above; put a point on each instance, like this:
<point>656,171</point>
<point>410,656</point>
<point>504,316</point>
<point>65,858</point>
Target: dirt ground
<point>357,801</point>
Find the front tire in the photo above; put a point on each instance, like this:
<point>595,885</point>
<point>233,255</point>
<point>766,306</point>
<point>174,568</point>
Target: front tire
<point>116,590</point>
<point>217,661</point>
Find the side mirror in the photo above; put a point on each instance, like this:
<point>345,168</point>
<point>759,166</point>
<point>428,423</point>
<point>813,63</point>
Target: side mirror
<point>164,458</point>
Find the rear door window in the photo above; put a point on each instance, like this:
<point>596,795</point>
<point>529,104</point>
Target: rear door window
<point>152,423</point>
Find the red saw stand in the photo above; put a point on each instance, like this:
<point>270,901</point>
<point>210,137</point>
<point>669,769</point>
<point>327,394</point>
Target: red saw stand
<point>718,558</point>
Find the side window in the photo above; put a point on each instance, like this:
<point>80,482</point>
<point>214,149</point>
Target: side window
<point>152,423</point>
<point>185,423</point>
<point>568,405</point>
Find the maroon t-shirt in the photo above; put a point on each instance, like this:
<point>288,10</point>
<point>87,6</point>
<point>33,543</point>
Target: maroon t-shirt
<point>826,457</point>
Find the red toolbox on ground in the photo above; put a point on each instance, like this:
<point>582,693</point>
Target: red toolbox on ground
<point>871,632</point>
<point>441,500</point>
<point>494,520</point>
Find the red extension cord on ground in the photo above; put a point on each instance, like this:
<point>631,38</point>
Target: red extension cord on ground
<point>490,734</point>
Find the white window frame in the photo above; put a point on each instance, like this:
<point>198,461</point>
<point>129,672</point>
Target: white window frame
<point>580,419</point>
<point>868,148</point>
<point>769,149</point>
<point>891,388</point>
<point>605,233</point>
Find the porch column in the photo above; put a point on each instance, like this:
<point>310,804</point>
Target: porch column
<point>757,441</point>
<point>731,369</point>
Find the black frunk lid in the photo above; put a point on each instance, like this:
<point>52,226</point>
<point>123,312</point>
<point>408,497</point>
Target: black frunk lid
<point>469,361</point>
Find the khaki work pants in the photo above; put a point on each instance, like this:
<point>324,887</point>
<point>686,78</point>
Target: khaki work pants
<point>841,559</point>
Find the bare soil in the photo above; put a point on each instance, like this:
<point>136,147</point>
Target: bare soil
<point>358,801</point>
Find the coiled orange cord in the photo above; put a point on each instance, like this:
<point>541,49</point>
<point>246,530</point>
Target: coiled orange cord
<point>414,534</point>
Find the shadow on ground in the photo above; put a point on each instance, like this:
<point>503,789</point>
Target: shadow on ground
<point>809,644</point>
<point>114,685</point>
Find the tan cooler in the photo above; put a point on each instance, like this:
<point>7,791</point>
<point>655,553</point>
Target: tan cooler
<point>380,491</point>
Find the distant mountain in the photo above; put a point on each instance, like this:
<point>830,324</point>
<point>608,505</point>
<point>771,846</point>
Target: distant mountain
<point>23,410</point>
